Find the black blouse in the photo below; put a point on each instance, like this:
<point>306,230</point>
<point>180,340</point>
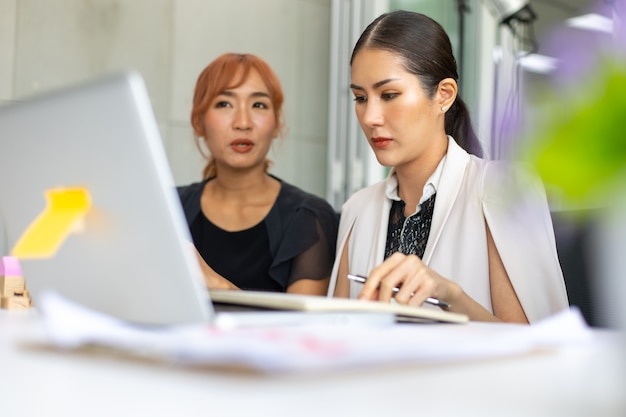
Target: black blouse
<point>300,231</point>
<point>247,251</point>
<point>409,235</point>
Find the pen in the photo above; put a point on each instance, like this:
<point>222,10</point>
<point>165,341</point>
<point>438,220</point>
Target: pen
<point>429,300</point>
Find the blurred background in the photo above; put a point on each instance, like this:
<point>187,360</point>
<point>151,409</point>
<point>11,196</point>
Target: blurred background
<point>48,44</point>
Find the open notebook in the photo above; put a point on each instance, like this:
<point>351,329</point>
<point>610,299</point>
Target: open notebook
<point>90,158</point>
<point>295,302</point>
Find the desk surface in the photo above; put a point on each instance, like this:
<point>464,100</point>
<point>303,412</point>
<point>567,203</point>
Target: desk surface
<point>36,381</point>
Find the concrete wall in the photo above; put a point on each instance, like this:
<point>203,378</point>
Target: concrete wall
<point>47,44</point>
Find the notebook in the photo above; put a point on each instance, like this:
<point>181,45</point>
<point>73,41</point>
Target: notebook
<point>92,153</point>
<point>310,303</point>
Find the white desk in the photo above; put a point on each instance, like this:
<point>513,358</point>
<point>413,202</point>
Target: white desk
<point>36,381</point>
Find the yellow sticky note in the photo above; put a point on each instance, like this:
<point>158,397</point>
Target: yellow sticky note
<point>65,209</point>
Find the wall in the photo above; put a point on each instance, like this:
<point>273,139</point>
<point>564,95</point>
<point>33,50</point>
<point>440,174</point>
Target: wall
<point>353,165</point>
<point>473,64</point>
<point>53,43</point>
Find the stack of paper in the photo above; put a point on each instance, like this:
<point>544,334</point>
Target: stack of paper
<point>308,348</point>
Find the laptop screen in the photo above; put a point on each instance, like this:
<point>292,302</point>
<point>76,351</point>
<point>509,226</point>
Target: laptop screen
<point>127,252</point>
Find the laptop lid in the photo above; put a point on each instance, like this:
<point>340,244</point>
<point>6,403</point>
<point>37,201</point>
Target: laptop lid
<point>130,255</point>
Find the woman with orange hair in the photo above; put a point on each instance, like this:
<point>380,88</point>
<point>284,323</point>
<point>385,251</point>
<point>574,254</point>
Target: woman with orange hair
<point>252,230</point>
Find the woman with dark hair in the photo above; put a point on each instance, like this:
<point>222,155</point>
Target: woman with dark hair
<point>252,230</point>
<point>445,223</point>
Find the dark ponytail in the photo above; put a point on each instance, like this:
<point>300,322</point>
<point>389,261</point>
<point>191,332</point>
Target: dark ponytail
<point>426,51</point>
<point>458,124</point>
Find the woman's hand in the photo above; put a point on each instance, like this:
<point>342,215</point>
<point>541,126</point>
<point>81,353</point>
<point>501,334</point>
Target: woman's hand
<point>418,282</point>
<point>212,279</point>
<point>415,280</point>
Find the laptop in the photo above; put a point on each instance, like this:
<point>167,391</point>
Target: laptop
<point>129,254</point>
<point>130,257</point>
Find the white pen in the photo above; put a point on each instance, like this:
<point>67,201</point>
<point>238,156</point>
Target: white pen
<point>429,300</point>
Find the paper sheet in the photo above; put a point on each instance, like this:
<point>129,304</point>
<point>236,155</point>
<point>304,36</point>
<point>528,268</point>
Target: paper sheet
<point>308,348</point>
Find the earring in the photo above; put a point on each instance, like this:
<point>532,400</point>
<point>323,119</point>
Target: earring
<point>444,108</point>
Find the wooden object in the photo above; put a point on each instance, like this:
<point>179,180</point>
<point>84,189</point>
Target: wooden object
<point>13,293</point>
<point>20,301</point>
<point>10,285</point>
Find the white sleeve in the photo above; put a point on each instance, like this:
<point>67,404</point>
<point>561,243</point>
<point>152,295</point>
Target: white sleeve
<point>518,215</point>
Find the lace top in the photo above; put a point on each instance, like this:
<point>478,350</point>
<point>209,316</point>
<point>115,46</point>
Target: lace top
<point>409,235</point>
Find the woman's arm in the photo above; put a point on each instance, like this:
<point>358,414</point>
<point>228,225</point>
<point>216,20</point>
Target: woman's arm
<point>417,282</point>
<point>309,286</point>
<point>212,279</point>
<point>516,208</point>
<point>313,263</point>
<point>342,287</point>
<point>504,301</point>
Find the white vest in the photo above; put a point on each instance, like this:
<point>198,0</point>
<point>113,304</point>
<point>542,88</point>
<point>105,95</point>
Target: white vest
<point>471,191</point>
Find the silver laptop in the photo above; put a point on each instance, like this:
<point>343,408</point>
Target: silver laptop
<point>131,257</point>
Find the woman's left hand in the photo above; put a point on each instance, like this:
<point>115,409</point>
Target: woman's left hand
<point>212,279</point>
<point>415,280</point>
